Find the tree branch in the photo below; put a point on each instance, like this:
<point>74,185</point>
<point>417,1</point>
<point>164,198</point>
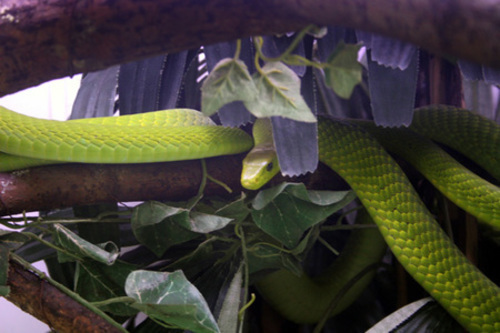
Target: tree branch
<point>47,303</point>
<point>43,40</point>
<point>67,185</point>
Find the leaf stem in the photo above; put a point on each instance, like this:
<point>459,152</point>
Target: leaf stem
<point>238,50</point>
<point>328,246</point>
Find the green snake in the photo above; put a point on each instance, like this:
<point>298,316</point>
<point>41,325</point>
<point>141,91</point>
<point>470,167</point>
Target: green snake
<point>352,149</point>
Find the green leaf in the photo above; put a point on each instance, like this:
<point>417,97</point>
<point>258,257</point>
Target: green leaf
<point>13,240</point>
<point>279,94</point>
<point>204,223</point>
<point>237,210</point>
<point>196,261</point>
<point>228,82</point>
<point>228,317</point>
<point>98,282</point>
<point>170,298</point>
<point>286,211</point>
<point>159,226</point>
<point>154,225</point>
<point>344,71</point>
<point>4,270</point>
<point>83,249</point>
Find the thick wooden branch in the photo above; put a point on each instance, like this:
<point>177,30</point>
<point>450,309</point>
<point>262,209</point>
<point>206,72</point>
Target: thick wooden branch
<point>43,40</point>
<point>67,185</point>
<point>47,303</point>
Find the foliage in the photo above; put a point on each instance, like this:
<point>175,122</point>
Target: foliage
<point>190,265</point>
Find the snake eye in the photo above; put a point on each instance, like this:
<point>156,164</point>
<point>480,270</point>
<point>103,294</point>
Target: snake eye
<point>269,166</point>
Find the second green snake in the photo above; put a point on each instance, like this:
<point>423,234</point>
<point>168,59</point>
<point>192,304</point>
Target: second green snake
<point>406,225</point>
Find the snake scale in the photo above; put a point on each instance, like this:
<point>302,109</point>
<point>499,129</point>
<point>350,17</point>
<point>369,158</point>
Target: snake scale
<point>352,149</point>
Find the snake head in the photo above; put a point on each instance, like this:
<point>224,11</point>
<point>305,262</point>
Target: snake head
<point>259,167</point>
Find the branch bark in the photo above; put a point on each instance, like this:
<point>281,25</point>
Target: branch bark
<point>47,303</point>
<point>43,40</point>
<point>67,185</point>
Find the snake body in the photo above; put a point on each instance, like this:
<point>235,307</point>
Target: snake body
<point>148,137</point>
<point>407,226</point>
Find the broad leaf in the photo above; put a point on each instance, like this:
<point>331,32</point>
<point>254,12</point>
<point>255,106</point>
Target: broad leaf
<point>83,249</point>
<point>279,94</point>
<point>287,210</point>
<point>159,226</point>
<point>170,298</point>
<point>98,282</point>
<point>204,223</point>
<point>154,225</point>
<point>344,71</point>
<point>328,43</point>
<point>12,240</point>
<point>229,81</point>
<point>237,210</point>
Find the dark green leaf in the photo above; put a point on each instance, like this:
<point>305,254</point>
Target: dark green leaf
<point>344,71</point>
<point>154,226</point>
<point>237,210</point>
<point>83,249</point>
<point>159,226</point>
<point>287,210</point>
<point>98,282</point>
<point>170,298</point>
<point>12,240</point>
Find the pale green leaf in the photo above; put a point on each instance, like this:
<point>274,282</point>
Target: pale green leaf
<point>344,71</point>
<point>228,317</point>
<point>279,94</point>
<point>171,299</point>
<point>228,82</point>
<point>204,223</point>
